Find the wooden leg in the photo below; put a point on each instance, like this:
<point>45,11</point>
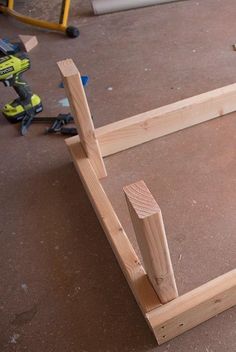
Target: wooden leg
<point>82,116</point>
<point>150,232</point>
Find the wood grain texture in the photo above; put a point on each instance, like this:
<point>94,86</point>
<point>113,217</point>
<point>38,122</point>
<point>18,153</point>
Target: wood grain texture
<point>187,311</point>
<point>123,250</point>
<point>156,123</point>
<point>193,308</point>
<point>151,237</point>
<point>29,42</point>
<point>81,113</point>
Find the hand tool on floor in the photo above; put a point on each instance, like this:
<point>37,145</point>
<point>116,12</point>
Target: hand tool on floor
<point>12,66</point>
<point>57,124</point>
<point>28,104</point>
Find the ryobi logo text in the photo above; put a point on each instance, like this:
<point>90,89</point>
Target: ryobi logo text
<point>6,70</point>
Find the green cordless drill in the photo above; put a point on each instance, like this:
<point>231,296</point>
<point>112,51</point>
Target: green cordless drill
<point>27,105</point>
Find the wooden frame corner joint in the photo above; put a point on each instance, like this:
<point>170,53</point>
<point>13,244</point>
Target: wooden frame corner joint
<point>177,314</point>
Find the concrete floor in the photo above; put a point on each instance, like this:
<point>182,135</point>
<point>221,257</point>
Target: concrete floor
<point>61,288</point>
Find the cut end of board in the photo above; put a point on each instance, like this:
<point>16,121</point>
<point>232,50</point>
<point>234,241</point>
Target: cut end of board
<point>141,199</point>
<point>67,68</point>
<point>28,41</point>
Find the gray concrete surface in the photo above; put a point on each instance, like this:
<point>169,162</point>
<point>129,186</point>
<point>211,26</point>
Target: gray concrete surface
<point>61,288</point>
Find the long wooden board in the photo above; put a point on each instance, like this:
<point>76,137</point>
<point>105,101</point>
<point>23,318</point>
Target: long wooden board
<point>124,252</point>
<point>193,308</point>
<point>156,123</point>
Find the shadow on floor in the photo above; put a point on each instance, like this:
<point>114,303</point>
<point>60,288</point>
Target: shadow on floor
<point>75,289</point>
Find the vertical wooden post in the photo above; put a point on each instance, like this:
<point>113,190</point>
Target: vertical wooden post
<point>151,237</point>
<point>81,113</point>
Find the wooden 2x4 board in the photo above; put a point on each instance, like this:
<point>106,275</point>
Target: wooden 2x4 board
<point>182,313</point>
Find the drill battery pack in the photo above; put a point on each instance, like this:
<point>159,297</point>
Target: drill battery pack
<point>16,111</point>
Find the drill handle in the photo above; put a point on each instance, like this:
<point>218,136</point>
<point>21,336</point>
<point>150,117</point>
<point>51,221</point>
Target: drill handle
<point>22,88</point>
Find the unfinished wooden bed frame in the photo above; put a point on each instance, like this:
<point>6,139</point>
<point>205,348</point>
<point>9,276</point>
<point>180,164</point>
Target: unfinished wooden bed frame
<point>154,287</point>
